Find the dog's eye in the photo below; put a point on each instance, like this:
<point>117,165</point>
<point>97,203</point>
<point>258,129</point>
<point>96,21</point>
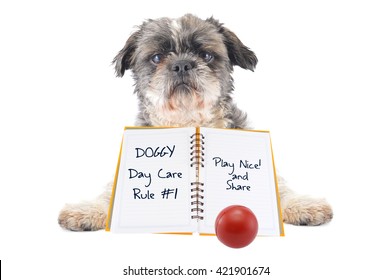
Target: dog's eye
<point>207,57</point>
<point>157,58</point>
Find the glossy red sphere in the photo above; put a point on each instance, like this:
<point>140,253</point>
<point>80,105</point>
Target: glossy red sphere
<point>236,226</point>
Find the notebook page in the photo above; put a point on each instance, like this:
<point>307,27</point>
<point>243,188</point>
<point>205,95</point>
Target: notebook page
<point>239,170</point>
<point>153,182</point>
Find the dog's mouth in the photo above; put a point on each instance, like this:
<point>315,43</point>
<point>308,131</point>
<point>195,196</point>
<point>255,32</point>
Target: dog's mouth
<point>183,88</point>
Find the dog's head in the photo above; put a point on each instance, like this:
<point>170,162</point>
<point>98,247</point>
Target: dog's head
<point>183,63</point>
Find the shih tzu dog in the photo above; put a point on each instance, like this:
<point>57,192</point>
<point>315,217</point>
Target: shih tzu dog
<point>182,69</point>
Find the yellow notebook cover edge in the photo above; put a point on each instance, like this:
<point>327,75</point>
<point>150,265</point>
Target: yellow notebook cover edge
<point>110,210</point>
<point>281,222</point>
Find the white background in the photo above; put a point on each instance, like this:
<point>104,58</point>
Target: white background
<point>322,87</point>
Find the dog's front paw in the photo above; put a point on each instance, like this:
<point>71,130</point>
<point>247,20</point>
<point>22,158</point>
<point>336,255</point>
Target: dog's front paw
<point>307,211</point>
<point>82,217</point>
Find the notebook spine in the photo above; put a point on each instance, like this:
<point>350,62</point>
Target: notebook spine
<point>197,187</point>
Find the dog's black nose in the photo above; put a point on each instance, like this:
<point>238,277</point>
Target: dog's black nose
<point>182,66</point>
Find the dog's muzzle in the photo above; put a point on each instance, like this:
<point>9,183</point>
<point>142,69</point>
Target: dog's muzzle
<point>181,70</point>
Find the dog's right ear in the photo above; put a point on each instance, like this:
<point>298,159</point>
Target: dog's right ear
<point>124,60</point>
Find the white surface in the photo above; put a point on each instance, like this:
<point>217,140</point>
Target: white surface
<point>322,88</point>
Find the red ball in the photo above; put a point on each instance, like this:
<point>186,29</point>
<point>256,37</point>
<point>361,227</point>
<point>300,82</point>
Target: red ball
<point>236,226</point>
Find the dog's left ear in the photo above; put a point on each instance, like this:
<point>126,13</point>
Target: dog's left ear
<point>124,60</point>
<point>238,53</point>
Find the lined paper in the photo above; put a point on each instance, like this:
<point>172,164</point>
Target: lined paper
<point>239,170</point>
<point>153,193</point>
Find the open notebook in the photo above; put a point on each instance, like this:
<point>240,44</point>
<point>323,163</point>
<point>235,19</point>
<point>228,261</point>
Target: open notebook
<point>177,180</point>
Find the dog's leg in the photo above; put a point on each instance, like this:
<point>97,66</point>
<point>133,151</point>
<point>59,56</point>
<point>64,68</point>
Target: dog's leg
<point>86,216</point>
<point>302,210</point>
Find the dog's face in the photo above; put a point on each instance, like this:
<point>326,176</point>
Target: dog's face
<point>183,64</point>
